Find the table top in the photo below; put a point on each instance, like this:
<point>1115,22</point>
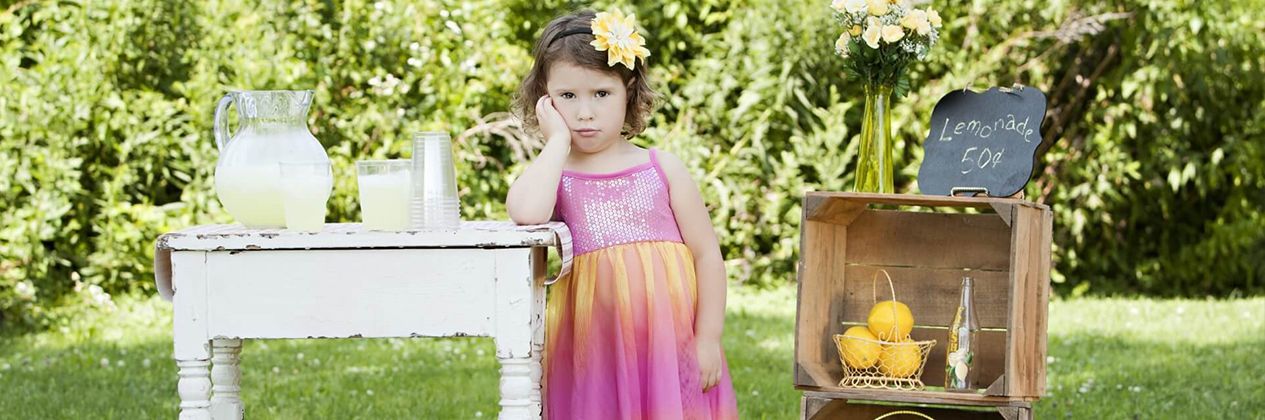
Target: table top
<point>472,234</point>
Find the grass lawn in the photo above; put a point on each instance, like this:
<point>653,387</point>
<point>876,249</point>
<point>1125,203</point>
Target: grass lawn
<point>1109,358</point>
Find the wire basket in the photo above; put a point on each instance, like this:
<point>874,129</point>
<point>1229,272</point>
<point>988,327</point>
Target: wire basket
<point>882,364</point>
<point>904,412</point>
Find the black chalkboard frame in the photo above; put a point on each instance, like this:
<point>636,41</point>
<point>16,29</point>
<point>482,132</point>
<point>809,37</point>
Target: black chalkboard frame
<point>1016,112</point>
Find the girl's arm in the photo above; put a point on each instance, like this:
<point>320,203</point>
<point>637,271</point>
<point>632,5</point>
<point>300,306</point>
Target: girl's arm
<point>699,235</point>
<point>532,196</point>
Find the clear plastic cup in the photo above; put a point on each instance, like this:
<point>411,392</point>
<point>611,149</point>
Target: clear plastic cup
<point>435,204</point>
<point>440,215</point>
<point>305,188</point>
<point>385,188</point>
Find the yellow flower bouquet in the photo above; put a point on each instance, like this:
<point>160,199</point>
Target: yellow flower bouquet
<point>880,39</point>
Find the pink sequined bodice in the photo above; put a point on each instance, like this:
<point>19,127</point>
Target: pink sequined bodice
<point>628,206</point>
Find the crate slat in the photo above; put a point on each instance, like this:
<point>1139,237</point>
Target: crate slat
<point>822,272</point>
<point>936,290</point>
<point>932,240</point>
<point>923,397</point>
<point>819,406</point>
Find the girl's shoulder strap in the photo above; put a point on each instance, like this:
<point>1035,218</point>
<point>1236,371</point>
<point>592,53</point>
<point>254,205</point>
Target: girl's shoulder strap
<point>654,161</point>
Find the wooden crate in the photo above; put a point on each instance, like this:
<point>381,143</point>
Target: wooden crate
<point>846,238</point>
<point>815,406</point>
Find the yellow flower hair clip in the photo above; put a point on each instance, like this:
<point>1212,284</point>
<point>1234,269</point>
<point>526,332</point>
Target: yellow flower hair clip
<point>617,35</point>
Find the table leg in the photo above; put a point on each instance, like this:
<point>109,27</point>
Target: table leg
<point>520,385</point>
<point>516,390</point>
<point>516,345</point>
<point>536,371</point>
<point>194,389</point>
<point>192,346</point>
<point>539,265</point>
<point>226,378</point>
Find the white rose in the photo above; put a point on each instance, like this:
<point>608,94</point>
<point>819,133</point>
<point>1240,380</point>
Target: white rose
<point>854,6</point>
<point>878,7</point>
<point>892,33</point>
<point>873,32</point>
<point>915,17</point>
<point>933,17</point>
<point>841,44</point>
<point>837,5</point>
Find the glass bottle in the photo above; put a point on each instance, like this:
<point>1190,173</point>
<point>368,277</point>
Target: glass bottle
<point>959,366</point>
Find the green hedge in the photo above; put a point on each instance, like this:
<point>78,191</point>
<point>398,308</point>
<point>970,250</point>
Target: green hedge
<point>1156,176</point>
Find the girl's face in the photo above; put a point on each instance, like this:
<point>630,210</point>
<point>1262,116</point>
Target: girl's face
<point>592,103</point>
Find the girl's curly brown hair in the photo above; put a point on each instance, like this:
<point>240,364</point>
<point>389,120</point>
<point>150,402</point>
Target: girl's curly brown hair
<point>575,49</point>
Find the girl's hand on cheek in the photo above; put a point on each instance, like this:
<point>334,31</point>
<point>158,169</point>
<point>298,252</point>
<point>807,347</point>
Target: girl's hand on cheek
<point>552,125</point>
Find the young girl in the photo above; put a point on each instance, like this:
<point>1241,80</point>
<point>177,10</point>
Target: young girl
<point>634,332</point>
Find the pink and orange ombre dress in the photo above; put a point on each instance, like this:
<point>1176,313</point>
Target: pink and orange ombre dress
<point>619,340</point>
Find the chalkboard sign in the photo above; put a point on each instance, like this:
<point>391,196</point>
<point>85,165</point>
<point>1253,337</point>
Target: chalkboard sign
<point>982,141</point>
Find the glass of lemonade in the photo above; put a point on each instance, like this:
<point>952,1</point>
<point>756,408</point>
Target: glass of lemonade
<point>385,189</point>
<point>305,188</point>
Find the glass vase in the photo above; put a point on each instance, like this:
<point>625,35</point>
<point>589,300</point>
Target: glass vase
<point>874,161</point>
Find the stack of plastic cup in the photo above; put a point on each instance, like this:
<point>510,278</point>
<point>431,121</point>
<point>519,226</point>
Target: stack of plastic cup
<point>435,205</point>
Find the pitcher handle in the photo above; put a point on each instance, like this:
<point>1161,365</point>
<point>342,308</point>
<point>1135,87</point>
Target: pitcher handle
<point>222,133</point>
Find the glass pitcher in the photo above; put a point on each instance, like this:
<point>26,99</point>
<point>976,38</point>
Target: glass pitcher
<point>272,127</point>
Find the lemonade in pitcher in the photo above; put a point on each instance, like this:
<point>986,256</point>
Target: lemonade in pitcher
<point>272,127</point>
<point>252,194</point>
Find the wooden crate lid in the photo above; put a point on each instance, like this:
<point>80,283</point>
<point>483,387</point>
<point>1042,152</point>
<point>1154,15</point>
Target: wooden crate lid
<point>843,207</point>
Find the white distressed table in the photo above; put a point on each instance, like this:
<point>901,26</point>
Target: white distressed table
<point>229,283</point>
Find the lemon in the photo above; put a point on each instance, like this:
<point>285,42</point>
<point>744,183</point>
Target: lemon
<point>859,353</point>
<point>899,360</point>
<point>891,320</point>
